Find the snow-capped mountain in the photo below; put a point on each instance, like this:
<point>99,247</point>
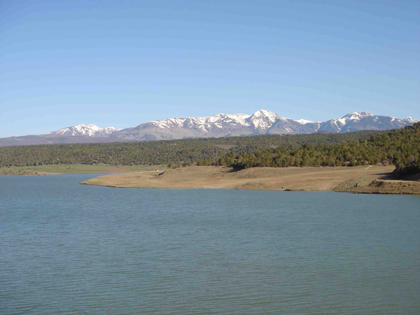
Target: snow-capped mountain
<point>261,122</point>
<point>359,121</point>
<point>262,119</point>
<point>304,121</point>
<point>220,125</point>
<point>83,130</point>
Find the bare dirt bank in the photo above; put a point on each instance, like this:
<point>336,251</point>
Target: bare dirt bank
<point>345,179</point>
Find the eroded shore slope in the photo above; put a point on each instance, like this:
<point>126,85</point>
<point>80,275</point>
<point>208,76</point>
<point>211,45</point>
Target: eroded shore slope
<point>362,179</point>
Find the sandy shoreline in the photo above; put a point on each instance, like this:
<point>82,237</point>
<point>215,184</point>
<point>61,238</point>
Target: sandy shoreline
<point>361,179</point>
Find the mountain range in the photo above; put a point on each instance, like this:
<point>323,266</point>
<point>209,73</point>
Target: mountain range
<point>83,130</point>
<point>220,125</point>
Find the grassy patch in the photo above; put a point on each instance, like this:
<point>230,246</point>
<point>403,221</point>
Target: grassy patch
<point>76,169</point>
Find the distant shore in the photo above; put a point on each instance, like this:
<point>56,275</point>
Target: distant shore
<point>361,179</point>
<point>57,169</point>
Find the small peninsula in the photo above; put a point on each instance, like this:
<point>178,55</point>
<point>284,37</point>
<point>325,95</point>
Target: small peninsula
<point>360,179</point>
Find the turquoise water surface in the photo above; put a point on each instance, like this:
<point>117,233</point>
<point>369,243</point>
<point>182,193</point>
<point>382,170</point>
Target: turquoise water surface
<point>67,248</point>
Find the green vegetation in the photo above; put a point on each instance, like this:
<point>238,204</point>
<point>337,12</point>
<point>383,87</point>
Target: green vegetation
<point>177,152</point>
<point>411,168</point>
<point>400,147</point>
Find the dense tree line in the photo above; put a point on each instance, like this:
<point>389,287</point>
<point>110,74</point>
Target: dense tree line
<point>400,147</point>
<point>163,152</point>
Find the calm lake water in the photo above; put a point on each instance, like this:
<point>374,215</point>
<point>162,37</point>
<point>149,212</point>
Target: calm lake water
<point>67,248</point>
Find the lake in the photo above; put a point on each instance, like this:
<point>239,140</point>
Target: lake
<point>67,248</point>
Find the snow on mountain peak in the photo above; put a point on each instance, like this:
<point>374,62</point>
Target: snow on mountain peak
<point>237,118</point>
<point>266,113</point>
<point>261,122</point>
<point>204,123</point>
<point>263,119</point>
<point>85,130</point>
<point>304,121</point>
<point>410,120</point>
<point>357,115</point>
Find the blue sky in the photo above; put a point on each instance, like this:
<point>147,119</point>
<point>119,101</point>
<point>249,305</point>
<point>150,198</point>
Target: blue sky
<point>122,63</point>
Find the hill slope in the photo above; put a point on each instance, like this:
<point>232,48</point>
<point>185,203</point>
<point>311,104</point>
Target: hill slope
<point>159,152</point>
<point>399,147</point>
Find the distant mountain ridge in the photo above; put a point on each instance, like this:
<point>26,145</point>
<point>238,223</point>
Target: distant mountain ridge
<point>220,125</point>
<point>261,122</point>
<point>83,130</point>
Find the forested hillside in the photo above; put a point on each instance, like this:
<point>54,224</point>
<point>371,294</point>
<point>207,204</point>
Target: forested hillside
<point>400,147</point>
<point>164,152</point>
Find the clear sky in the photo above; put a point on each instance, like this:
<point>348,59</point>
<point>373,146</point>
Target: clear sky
<point>122,63</point>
